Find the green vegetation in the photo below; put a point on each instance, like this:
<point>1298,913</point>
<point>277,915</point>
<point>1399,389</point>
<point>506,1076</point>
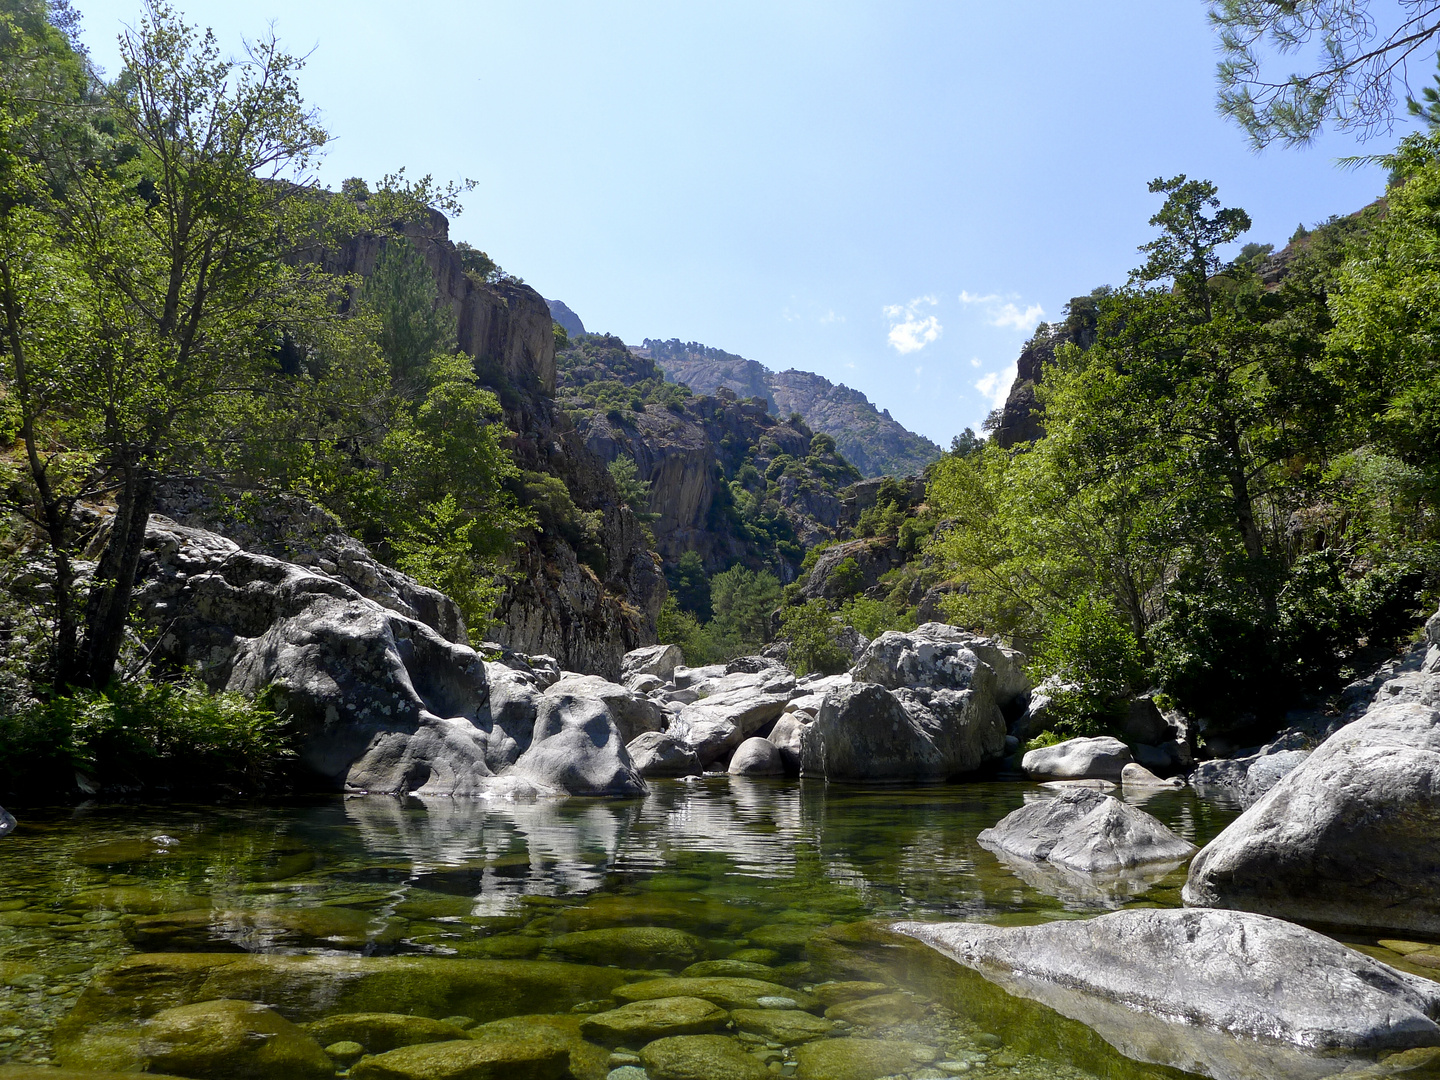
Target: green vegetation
<point>716,619</point>
<point>161,315</point>
<point>1234,497</point>
<point>171,735</point>
<point>811,629</point>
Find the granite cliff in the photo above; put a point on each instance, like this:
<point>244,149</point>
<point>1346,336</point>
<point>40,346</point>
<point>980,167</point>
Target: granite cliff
<point>869,438</point>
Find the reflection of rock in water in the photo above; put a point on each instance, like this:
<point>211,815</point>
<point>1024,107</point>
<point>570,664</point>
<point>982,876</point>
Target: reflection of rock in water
<point>7,823</point>
<point>1080,891</point>
<point>494,850</point>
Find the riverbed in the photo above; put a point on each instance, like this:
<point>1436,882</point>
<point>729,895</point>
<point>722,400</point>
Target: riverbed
<point>781,880</point>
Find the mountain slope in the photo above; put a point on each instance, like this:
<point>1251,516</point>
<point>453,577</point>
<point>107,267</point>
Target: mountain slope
<point>868,437</point>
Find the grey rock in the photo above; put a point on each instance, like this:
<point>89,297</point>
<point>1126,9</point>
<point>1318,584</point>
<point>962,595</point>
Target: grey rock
<point>686,677</point>
<point>753,665</point>
<point>643,684</point>
<point>866,733</point>
<point>1268,770</point>
<point>576,747</point>
<point>1101,758</point>
<point>1229,994</point>
<point>657,754</point>
<point>756,757</point>
<point>657,660</point>
<point>1144,723</point>
<point>786,737</point>
<point>1136,775</point>
<point>738,706</point>
<point>1085,830</point>
<point>943,657</point>
<point>632,711</point>
<point>1161,760</point>
<point>1350,837</point>
<point>7,822</point>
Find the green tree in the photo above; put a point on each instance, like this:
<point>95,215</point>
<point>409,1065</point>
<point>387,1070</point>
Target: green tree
<point>811,628</point>
<point>414,325</point>
<point>634,492</point>
<point>1351,61</point>
<point>690,586</point>
<point>743,601</point>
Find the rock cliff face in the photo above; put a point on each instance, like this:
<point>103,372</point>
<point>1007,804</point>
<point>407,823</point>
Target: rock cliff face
<point>1019,419</point>
<point>868,437</point>
<point>502,323</point>
<point>586,612</point>
<point>691,449</point>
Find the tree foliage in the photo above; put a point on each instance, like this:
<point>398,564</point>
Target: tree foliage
<point>1352,54</point>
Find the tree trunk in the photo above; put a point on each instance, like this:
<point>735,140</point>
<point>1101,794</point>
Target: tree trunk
<point>108,611</point>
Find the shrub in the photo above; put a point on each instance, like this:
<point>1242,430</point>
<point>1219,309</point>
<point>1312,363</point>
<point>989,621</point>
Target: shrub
<point>873,617</point>
<point>846,579</point>
<point>173,735</point>
<point>1098,659</point>
<point>810,628</point>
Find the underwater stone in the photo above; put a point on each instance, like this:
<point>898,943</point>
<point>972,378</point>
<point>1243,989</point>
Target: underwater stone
<point>530,1057</point>
<point>643,1021</point>
<point>786,1026</point>
<point>635,946</point>
<point>701,1057</point>
<point>859,1059</point>
<point>379,1032</point>
<point>727,993</point>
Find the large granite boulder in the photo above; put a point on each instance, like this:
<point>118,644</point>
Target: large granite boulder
<point>633,712</point>
<point>577,747</point>
<point>1350,837</point>
<point>786,737</point>
<point>658,754</point>
<point>735,706</point>
<point>1102,758</point>
<point>866,733</point>
<point>383,702</point>
<point>1083,829</point>
<point>1224,993</point>
<point>658,660</point>
<point>756,757</point>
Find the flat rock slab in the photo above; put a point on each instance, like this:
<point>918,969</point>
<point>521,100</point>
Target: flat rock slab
<point>380,1032</point>
<point>1086,830</point>
<point>632,946</point>
<point>1227,994</point>
<point>1350,837</point>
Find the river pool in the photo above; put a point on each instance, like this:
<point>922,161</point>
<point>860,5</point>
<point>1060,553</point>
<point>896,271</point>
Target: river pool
<point>785,875</point>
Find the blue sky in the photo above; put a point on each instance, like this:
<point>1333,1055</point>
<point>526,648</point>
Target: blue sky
<point>890,194</point>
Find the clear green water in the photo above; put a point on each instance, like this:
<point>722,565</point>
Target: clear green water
<point>783,874</point>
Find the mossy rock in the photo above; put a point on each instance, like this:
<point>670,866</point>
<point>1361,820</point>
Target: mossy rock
<point>136,900</point>
<point>859,1059</point>
<point>699,915</point>
<point>834,993</point>
<point>731,969</point>
<point>755,956</point>
<point>211,1040</point>
<point>122,852</point>
<point>701,1057</point>
<point>587,1061</point>
<point>204,929</point>
<point>532,1056</point>
<point>882,1010</point>
<point>643,1021</point>
<point>788,1026</point>
<point>45,1072</point>
<point>379,1032</point>
<point>501,947</point>
<point>725,992</point>
<point>782,937</point>
<point>306,988</point>
<point>422,904</point>
<point>632,946</point>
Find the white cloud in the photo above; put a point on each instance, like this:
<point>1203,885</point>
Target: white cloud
<point>995,385</point>
<point>910,329</point>
<point>974,361</point>
<point>830,317</point>
<point>1010,315</point>
<point>972,298</point>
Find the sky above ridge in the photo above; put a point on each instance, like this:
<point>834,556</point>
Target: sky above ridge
<point>889,194</point>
